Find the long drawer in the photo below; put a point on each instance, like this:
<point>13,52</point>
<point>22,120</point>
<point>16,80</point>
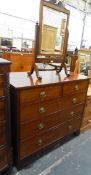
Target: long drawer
<point>75,87</point>
<point>31,111</point>
<point>29,146</point>
<point>28,129</point>
<point>3,159</point>
<point>40,94</point>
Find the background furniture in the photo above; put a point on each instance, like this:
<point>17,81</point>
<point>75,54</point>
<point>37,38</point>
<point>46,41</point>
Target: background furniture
<point>83,64</point>
<point>5,135</point>
<point>44,111</point>
<point>86,123</point>
<point>20,61</point>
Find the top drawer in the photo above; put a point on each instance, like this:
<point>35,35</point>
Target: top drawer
<point>75,87</point>
<point>40,94</point>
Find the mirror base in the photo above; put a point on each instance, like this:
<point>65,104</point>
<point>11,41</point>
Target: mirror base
<point>34,68</point>
<point>59,68</point>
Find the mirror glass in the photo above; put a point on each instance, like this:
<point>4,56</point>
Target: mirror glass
<point>53,30</point>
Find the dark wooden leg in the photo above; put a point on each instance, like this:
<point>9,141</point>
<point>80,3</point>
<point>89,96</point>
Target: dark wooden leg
<point>34,68</point>
<point>37,72</point>
<point>63,65</point>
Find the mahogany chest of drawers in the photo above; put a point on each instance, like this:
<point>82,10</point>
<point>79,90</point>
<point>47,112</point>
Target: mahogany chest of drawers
<point>44,111</point>
<point>5,144</point>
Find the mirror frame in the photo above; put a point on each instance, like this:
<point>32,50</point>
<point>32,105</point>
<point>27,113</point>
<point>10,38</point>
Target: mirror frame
<point>38,34</point>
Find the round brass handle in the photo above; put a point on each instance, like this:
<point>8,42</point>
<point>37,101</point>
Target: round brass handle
<point>72,113</point>
<point>40,141</point>
<point>42,94</point>
<point>74,100</point>
<point>41,110</point>
<point>76,87</point>
<point>40,126</point>
<point>70,127</point>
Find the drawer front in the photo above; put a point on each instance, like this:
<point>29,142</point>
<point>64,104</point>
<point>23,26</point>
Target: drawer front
<point>2,135</point>
<point>32,112</point>
<point>30,146</point>
<point>36,143</point>
<point>36,127</point>
<point>2,110</point>
<point>40,94</point>
<point>75,87</point>
<point>3,159</point>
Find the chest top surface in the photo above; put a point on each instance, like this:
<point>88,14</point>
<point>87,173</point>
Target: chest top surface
<point>22,80</point>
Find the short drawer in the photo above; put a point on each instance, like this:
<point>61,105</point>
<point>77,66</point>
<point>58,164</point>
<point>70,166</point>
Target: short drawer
<point>32,112</point>
<point>2,134</point>
<point>3,159</point>
<point>29,146</point>
<point>28,129</point>
<point>40,94</point>
<point>75,87</point>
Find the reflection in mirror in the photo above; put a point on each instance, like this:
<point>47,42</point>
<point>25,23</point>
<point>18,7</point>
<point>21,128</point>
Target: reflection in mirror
<point>53,30</point>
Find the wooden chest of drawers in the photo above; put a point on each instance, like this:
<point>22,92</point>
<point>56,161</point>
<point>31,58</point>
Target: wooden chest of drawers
<point>44,111</point>
<point>5,144</point>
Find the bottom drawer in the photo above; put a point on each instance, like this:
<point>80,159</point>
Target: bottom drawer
<point>3,159</point>
<point>29,146</point>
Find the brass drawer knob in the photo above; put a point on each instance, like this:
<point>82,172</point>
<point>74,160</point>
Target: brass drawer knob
<point>76,87</point>
<point>74,100</point>
<point>40,126</point>
<point>40,142</point>
<point>42,94</point>
<point>72,113</point>
<point>41,110</point>
<point>70,127</point>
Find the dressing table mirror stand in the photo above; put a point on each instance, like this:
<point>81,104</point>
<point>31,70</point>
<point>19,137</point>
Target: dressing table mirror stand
<point>51,36</point>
